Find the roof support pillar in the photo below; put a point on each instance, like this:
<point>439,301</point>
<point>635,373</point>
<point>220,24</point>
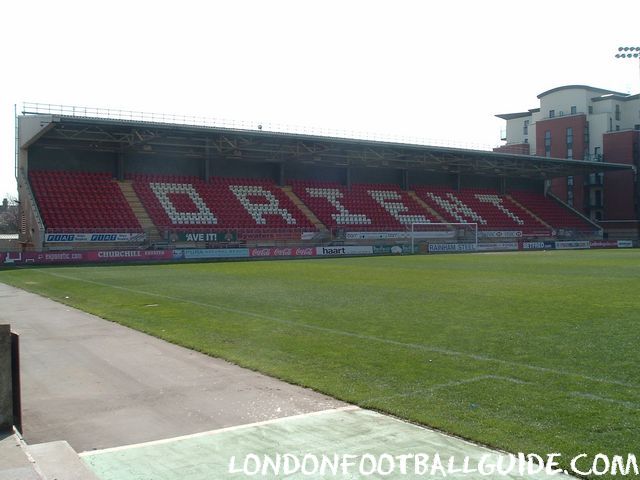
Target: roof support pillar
<point>348,177</point>
<point>281,174</point>
<point>120,166</point>
<point>405,179</point>
<point>206,162</point>
<point>502,185</point>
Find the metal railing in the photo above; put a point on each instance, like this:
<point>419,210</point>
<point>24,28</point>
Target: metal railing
<point>16,164</point>
<point>32,199</point>
<point>30,108</point>
<point>561,114</point>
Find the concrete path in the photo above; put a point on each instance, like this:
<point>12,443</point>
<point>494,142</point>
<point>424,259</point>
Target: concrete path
<point>97,384</point>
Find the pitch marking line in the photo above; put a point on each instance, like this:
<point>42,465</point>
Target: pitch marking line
<point>454,383</point>
<point>480,378</point>
<point>215,432</point>
<point>370,338</point>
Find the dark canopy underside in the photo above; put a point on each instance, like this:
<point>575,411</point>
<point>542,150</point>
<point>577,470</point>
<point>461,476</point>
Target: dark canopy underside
<point>98,134</point>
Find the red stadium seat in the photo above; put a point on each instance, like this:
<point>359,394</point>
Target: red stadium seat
<point>552,212</point>
<point>82,201</point>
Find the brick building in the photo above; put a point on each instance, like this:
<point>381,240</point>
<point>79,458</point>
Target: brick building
<point>585,123</point>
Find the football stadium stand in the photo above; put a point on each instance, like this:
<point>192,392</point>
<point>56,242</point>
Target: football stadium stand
<point>90,179</point>
<point>81,202</point>
<point>259,209</point>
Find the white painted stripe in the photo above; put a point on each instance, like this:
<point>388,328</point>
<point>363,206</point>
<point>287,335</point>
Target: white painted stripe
<point>427,348</point>
<point>598,398</point>
<point>453,383</point>
<point>90,453</point>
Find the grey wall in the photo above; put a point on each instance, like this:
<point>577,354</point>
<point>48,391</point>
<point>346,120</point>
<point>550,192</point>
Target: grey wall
<point>230,168</point>
<point>525,184</point>
<point>376,175</point>
<point>155,164</point>
<point>469,181</point>
<point>6,395</point>
<point>306,172</point>
<point>75,160</point>
<point>417,178</point>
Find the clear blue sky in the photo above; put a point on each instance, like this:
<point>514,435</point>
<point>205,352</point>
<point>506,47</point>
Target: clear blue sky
<point>415,68</point>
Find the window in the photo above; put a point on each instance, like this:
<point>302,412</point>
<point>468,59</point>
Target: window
<point>570,196</point>
<point>552,113</point>
<point>586,137</point>
<point>618,113</point>
<point>547,143</point>
<point>617,128</point>
<point>590,109</point>
<point>570,181</point>
<point>525,128</point>
<point>610,124</point>
<point>569,142</point>
<point>574,110</point>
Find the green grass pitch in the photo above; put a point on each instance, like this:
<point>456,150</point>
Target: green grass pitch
<point>532,352</point>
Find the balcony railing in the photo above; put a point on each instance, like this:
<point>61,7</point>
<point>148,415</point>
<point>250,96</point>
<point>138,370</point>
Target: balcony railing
<point>593,204</point>
<point>594,180</point>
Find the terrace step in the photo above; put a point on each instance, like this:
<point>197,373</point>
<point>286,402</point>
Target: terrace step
<point>303,208</point>
<point>139,211</point>
<point>57,460</point>
<point>15,462</point>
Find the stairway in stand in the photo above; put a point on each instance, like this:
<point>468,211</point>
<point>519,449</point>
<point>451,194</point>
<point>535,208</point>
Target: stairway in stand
<point>153,235</point>
<point>424,205</point>
<point>304,209</point>
<point>533,215</point>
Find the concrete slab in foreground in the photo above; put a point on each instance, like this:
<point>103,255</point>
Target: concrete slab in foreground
<point>239,452</point>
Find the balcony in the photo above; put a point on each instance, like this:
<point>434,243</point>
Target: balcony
<point>594,180</point>
<point>561,114</point>
<point>593,157</point>
<point>592,204</point>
